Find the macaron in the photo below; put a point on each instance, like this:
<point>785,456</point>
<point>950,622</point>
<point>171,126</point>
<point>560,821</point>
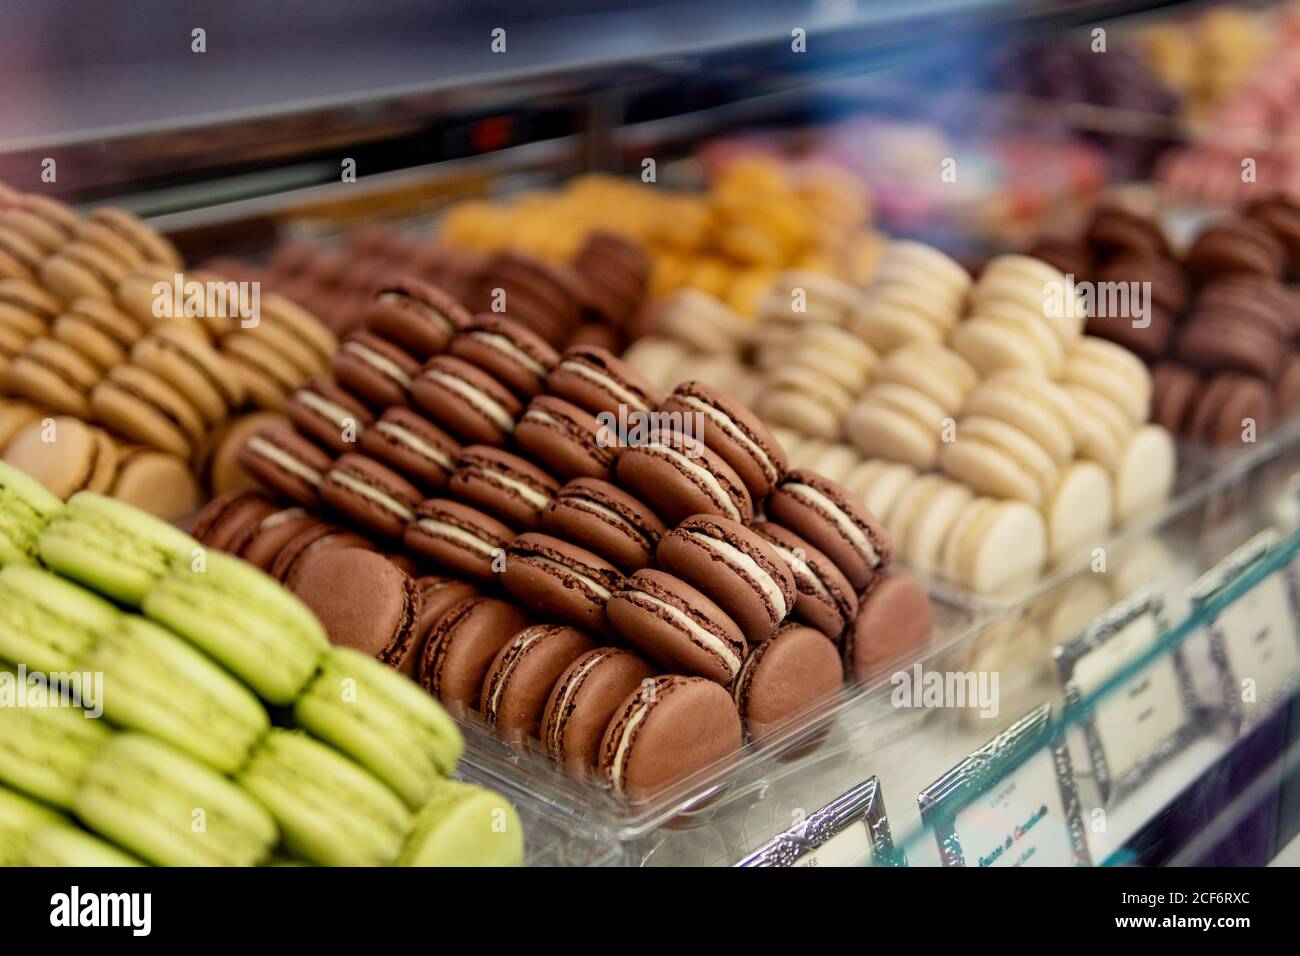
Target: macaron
<point>464,825</point>
<point>439,595</point>
<point>218,459</point>
<point>65,455</point>
<point>48,623</point>
<point>895,619</point>
<point>20,258</point>
<point>1000,460</point>
<point>677,626</point>
<point>1112,371</point>
<point>375,370</point>
<point>461,647</point>
<point>27,307</point>
<point>606,520</point>
<point>803,399</point>
<point>1231,407</point>
<point>369,495</point>
<point>825,598</point>
<point>15,416</point>
<point>520,679</point>
<point>995,546</point>
<point>1079,511</point>
<point>98,330</point>
<point>582,701</point>
<point>565,440</point>
<point>559,581</point>
<point>329,415</point>
<point>734,433</point>
<point>502,484</point>
<point>897,422</point>
<point>26,508</point>
<point>783,675</point>
<point>1236,245</point>
<point>365,603</point>
<point>286,463</point>
<point>311,543</point>
<point>416,316</point>
<point>115,229</point>
<point>665,731</point>
<point>679,476</point>
<point>192,368</point>
<point>139,405</point>
<point>461,539</point>
<point>413,446</point>
<point>921,518</point>
<point>465,400</point>
<point>82,270</point>
<point>508,351</point>
<point>54,375</point>
<point>597,381</point>
<point>46,751</point>
<point>226,520</point>
<point>1146,473</point>
<point>827,516</point>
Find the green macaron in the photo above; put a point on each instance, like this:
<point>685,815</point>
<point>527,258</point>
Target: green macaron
<point>46,623</point>
<point>157,683</point>
<point>382,720</point>
<point>244,619</point>
<point>19,819</point>
<point>46,751</point>
<point>464,825</point>
<point>331,811</point>
<point>26,507</point>
<point>63,845</point>
<point>169,809</point>
<point>113,548</point>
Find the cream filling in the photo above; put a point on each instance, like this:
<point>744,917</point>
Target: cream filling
<point>504,675</point>
<point>372,493</point>
<point>801,569</point>
<point>706,477</point>
<point>335,412</point>
<point>416,443</point>
<point>727,425</point>
<point>740,678</point>
<point>534,497</point>
<point>481,402</point>
<point>275,456</point>
<point>503,344</point>
<point>708,639</point>
<point>591,582</point>
<point>620,754</point>
<point>371,357</point>
<point>595,507</point>
<point>570,688</point>
<point>609,384</point>
<point>771,590</point>
<point>447,530</point>
<point>845,524</point>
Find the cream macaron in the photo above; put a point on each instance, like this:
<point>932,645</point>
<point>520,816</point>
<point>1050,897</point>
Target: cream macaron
<point>897,423</point>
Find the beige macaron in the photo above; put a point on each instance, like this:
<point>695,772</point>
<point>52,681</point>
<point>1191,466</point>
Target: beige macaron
<point>15,415</point>
<point>879,484</point>
<point>886,323</point>
<point>699,320</point>
<point>897,423</point>
<point>804,400</point>
<point>932,369</point>
<point>923,516</point>
<point>82,270</point>
<point>100,331</point>
<point>145,242</point>
<point>158,483</point>
<point>1112,371</point>
<point>1078,512</point>
<point>656,358</point>
<point>999,460</point>
<point>1146,472</point>
<point>1031,403</point>
<point>1106,429</point>
<point>66,455</point>
<point>194,368</point>
<point>905,257</point>
<point>53,375</point>
<point>995,545</point>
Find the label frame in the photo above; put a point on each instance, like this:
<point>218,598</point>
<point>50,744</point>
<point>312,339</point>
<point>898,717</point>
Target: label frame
<point>862,804</point>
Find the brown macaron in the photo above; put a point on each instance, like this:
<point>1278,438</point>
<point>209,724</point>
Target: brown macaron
<point>565,440</point>
<point>830,518</point>
<point>1114,230</point>
<point>413,446</point>
<point>439,595</point>
<point>54,375</point>
<point>1236,245</point>
<point>606,520</point>
<point>782,676</point>
<point>582,701</point>
<point>679,476</point>
<point>1174,389</point>
<point>665,731</point>
<point>522,674</point>
<point>416,316</point>
<point>329,415</point>
<point>287,463</point>
<point>465,400</point>
<point>227,519</point>
<point>218,459</point>
<point>309,545</point>
<point>461,539</point>
<point>502,484</point>
<point>735,567</point>
<point>1216,342</point>
<point>894,621</point>
<point>375,370</point>
<point>461,648</point>
<point>1231,410</point>
<point>140,406</point>
<point>560,581</point>
<point>98,330</point>
<point>266,376</point>
<point>369,495</point>
<point>677,626</point>
<point>597,381</point>
<point>825,598</point>
<point>261,543</point>
<point>192,367</point>
<point>508,351</point>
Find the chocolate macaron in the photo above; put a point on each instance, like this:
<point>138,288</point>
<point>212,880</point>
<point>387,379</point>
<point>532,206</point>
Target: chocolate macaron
<point>375,370</point>
<point>461,539</point>
<point>439,595</point>
<point>825,598</point>
<point>895,619</point>
<point>413,446</point>
<point>565,440</point>
<point>462,646</point>
<point>502,484</point>
<point>560,581</point>
<point>465,400</point>
<point>827,516</point>
<point>416,316</point>
<point>582,701</point>
<point>369,495</point>
<point>309,545</point>
<point>605,519</point>
<point>508,351</point>
<point>520,679</point>
<point>286,463</point>
<point>597,381</point>
<point>329,415</point>
<point>679,477</point>
<point>783,675</point>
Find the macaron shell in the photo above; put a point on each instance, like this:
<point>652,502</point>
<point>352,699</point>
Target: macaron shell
<point>558,581</point>
<point>832,520</point>
<point>142,407</point>
<point>461,539</point>
<point>502,484</point>
<point>286,463</point>
<point>1079,512</point>
<point>894,620</point>
<point>606,520</point>
<point>521,676</point>
<point>582,701</point>
<point>461,648</point>
<point>996,545</point>
<point>785,674</point>
<point>465,400</point>
<point>825,598</point>
<point>897,423</point>
<point>1146,472</point>
<point>369,495</point>
<point>680,478</point>
<point>565,440</point>
<point>413,446</point>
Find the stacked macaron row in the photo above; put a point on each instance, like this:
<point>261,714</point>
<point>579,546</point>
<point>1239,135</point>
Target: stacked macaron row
<point>192,649</point>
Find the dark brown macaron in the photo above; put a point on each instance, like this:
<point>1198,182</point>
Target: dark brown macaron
<point>1231,408</point>
<point>613,251</point>
<point>413,446</point>
<point>565,440</point>
<point>733,432</point>
<point>365,603</point>
<point>1282,216</point>
<point>461,648</point>
<point>458,538</point>
<point>735,567</point>
<point>502,484</point>
<point>466,401</point>
<point>329,415</point>
<point>597,381</point>
<point>677,626</point>
<point>522,675</point>
<point>439,595</point>
<point>261,543</point>
<point>1174,390</point>
<point>416,316</point>
<point>559,581</point>
<point>1149,341</point>
<point>783,675</point>
<point>835,522</point>
<point>287,463</point>
<point>369,495</point>
<point>1286,392</point>
<point>895,620</point>
<point>1170,289</point>
<point>597,335</point>
<point>679,476</point>
<point>582,701</point>
<point>226,518</point>
<point>1236,245</point>
<point>605,519</point>
<point>1114,230</point>
<point>309,546</point>
<point>1215,342</point>
<point>375,370</point>
<point>665,731</point>
<point>1256,300</point>
<point>825,598</point>
<point>508,351</point>
<point>1068,256</point>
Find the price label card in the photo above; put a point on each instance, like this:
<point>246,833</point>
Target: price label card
<point>851,830</point>
<point>1011,803</point>
<point>1135,726</point>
